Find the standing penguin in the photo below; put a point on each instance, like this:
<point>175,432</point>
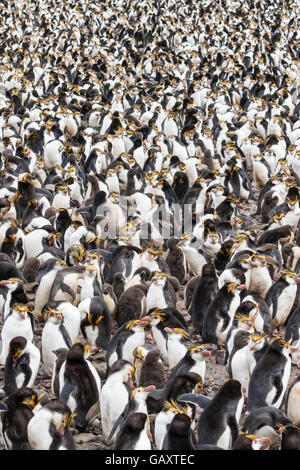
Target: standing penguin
<point>79,384</point>
<point>221,311</point>
<point>135,433</point>
<point>20,406</point>
<point>161,293</point>
<point>175,259</point>
<point>21,366</point>
<point>97,324</point>
<point>54,336</point>
<point>218,423</point>
<point>269,379</point>
<point>48,429</point>
<point>176,345</point>
<point>292,401</point>
<point>204,294</point>
<point>18,323</point>
<point>115,394</point>
<point>179,435</point>
<point>281,296</point>
<point>125,340</point>
<point>131,304</point>
<point>152,370</point>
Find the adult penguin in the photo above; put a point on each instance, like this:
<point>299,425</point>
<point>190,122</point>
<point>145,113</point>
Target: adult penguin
<point>269,379</point>
<point>161,293</point>
<point>125,260</point>
<point>292,334</point>
<point>292,401</point>
<point>125,340</point>
<point>115,394</point>
<point>204,294</point>
<point>54,336</point>
<point>96,325</point>
<point>221,311</point>
<point>20,406</point>
<point>48,429</point>
<point>18,323</point>
<point>80,384</point>
<point>136,404</point>
<point>218,423</point>
<point>192,362</point>
<point>281,296</point>
<point>21,366</point>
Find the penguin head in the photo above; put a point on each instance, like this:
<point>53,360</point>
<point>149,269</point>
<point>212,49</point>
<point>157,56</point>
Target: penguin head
<point>12,283</point>
<point>20,311</point>
<point>245,315</point>
<point>140,394</point>
<point>17,347</point>
<point>290,276</point>
<point>28,397</point>
<point>59,415</point>
<point>197,352</point>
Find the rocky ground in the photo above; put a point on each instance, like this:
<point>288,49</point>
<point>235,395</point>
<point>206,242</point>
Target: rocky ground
<point>216,375</point>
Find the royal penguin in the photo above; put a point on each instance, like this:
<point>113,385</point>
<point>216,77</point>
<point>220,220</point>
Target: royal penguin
<point>175,260</point>
<point>131,304</point>
<point>176,345</point>
<point>221,311</point>
<point>18,323</point>
<point>48,429</point>
<point>135,434</point>
<point>61,355</point>
<point>251,442</point>
<point>109,299</point>
<point>118,284</point>
<point>290,437</point>
<point>96,323</point>
<point>115,393</point>
<point>281,296</point>
<point>219,421</point>
<point>90,284</point>
<point>161,319</point>
<point>269,379</point>
<point>292,401</point>
<point>20,410</point>
<point>161,293</point>
<point>292,334</point>
<point>204,293</point>
<point>79,384</point>
<point>136,404</point>
<point>151,370</point>
<point>179,435</point>
<point>125,340</point>
<point>164,403</point>
<point>194,361</point>
<point>21,366</point>
<point>45,277</point>
<point>54,336</point>
<point>12,292</point>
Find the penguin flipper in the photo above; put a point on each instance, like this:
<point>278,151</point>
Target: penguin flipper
<point>157,394</point>
<point>65,288</point>
<point>232,423</point>
<point>118,423</point>
<point>67,389</point>
<point>93,413</point>
<point>197,399</point>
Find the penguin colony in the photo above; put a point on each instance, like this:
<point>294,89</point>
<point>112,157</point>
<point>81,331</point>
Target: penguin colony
<point>136,138</point>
